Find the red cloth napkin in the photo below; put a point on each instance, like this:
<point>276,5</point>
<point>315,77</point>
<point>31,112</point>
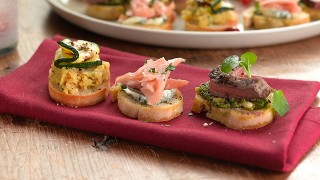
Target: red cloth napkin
<point>278,146</point>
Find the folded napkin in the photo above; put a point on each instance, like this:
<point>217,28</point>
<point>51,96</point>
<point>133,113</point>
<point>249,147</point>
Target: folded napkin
<point>278,146</point>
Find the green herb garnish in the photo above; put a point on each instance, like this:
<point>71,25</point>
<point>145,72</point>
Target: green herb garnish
<point>67,62</point>
<point>169,68</point>
<point>151,3</point>
<point>123,86</point>
<point>153,70</point>
<point>246,60</point>
<point>230,63</point>
<point>280,103</point>
<point>213,6</point>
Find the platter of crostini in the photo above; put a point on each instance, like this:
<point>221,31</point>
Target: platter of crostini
<point>178,34</point>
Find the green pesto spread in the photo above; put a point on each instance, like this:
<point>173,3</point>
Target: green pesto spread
<point>224,103</point>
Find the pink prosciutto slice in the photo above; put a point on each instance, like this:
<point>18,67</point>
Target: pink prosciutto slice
<point>153,78</point>
<point>288,5</point>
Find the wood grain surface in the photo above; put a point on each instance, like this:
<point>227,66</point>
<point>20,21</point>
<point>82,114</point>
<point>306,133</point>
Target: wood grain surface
<point>31,149</point>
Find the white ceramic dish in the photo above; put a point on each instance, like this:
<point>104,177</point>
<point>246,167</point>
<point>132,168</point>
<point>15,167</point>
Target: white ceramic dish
<point>73,11</point>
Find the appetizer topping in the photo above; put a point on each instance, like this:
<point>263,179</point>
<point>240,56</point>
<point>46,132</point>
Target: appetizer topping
<point>137,95</point>
<point>152,79</point>
<point>79,54</point>
<point>311,3</point>
<point>151,8</point>
<point>227,81</point>
<point>216,6</point>
<point>223,102</point>
<point>285,9</point>
<point>234,86</point>
<point>205,13</point>
<point>77,68</point>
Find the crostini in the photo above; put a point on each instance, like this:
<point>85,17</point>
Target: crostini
<point>106,9</point>
<point>209,15</point>
<point>77,76</point>
<point>154,14</point>
<point>149,94</point>
<point>312,7</point>
<point>274,14</point>
<point>236,100</point>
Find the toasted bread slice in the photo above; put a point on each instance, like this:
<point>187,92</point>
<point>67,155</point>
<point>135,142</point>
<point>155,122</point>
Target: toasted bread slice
<point>235,118</point>
<point>231,24</point>
<point>314,13</point>
<point>193,27</point>
<point>143,112</point>
<point>87,98</point>
<point>251,20</point>
<point>110,13</point>
<point>168,25</point>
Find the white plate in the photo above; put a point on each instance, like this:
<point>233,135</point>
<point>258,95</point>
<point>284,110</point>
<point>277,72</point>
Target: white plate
<point>73,11</point>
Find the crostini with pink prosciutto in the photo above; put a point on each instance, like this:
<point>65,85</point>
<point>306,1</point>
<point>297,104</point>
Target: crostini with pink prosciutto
<point>154,14</point>
<point>149,94</point>
<point>274,14</point>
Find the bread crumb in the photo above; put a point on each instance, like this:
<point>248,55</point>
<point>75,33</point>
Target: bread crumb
<point>190,114</point>
<point>165,125</point>
<point>207,124</point>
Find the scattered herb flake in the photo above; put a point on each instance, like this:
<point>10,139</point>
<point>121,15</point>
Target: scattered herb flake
<point>153,70</point>
<point>169,68</point>
<point>151,3</point>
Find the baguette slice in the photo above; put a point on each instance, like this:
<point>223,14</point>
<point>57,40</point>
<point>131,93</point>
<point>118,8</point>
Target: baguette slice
<point>251,20</point>
<point>109,13</point>
<point>88,98</point>
<point>194,27</point>
<point>235,118</point>
<point>150,113</point>
<point>168,25</point>
<point>231,24</point>
<point>314,13</point>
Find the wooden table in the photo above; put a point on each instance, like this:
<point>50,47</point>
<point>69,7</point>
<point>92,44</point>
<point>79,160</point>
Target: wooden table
<point>30,149</point>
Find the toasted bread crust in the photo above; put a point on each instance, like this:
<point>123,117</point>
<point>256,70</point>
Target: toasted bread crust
<point>78,100</point>
<point>314,13</point>
<point>189,26</point>
<point>234,118</point>
<point>168,25</point>
<point>110,13</point>
<point>251,20</point>
<point>150,113</point>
